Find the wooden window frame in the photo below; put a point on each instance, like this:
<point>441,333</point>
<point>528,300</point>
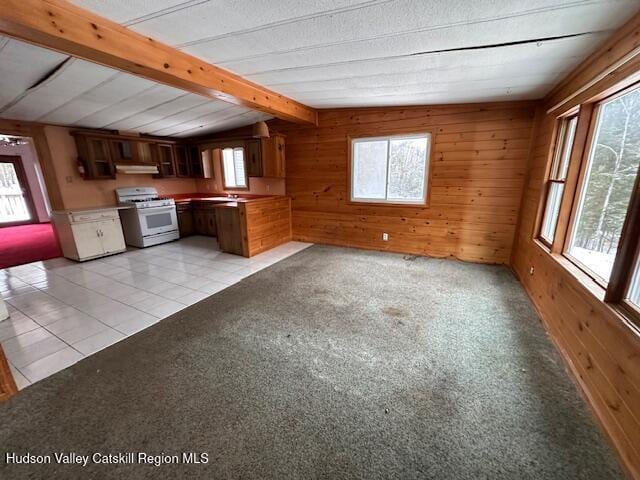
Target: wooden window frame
<point>615,291</point>
<point>584,167</point>
<point>393,203</point>
<point>553,174</point>
<point>627,258</point>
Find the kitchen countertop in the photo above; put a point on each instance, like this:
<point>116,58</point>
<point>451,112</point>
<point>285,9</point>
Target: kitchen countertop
<point>221,200</point>
<point>90,210</point>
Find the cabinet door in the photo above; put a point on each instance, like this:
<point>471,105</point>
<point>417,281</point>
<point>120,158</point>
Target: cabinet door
<point>182,160</point>
<point>200,223</point>
<point>100,161</point>
<point>273,157</point>
<point>143,150</point>
<point>211,223</point>
<point>254,159</point>
<point>123,151</point>
<point>86,239</point>
<point>230,230</point>
<point>164,158</point>
<point>195,161</point>
<point>111,236</point>
<point>279,156</point>
<point>185,222</point>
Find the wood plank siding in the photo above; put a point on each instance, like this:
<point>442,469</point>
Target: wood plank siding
<point>599,346</point>
<point>478,163</point>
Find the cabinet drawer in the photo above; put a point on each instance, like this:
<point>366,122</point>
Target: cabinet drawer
<point>94,216</point>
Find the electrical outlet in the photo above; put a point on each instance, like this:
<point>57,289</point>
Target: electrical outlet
<point>69,179</point>
<point>385,237</point>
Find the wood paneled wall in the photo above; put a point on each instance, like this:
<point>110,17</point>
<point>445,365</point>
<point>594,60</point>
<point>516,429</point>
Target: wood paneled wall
<point>478,164</point>
<point>600,348</point>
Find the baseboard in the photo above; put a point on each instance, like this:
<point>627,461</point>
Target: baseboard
<point>630,469</point>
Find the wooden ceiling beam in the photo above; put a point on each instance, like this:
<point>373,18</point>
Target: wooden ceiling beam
<point>62,26</point>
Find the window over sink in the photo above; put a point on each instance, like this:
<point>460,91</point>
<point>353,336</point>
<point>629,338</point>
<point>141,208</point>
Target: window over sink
<point>233,167</point>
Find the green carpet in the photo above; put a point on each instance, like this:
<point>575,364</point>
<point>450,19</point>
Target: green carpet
<point>334,363</point>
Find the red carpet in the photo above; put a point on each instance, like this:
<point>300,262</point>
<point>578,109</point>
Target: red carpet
<point>27,243</point>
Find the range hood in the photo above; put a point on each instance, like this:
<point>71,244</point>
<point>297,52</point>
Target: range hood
<point>136,169</point>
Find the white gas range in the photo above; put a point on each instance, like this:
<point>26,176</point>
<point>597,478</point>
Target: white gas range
<point>150,220</point>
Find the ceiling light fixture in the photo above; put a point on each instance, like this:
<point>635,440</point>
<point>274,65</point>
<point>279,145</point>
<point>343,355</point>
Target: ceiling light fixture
<point>260,130</point>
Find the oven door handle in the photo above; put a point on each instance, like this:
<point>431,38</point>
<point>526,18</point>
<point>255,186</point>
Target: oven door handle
<point>153,210</point>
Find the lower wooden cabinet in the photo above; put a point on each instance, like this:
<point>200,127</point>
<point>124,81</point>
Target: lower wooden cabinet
<point>204,219</point>
<point>185,219</point>
<point>246,228</point>
<point>231,226</point>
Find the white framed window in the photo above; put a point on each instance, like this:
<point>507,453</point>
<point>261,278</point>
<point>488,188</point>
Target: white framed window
<point>233,168</point>
<point>390,169</point>
<point>558,177</point>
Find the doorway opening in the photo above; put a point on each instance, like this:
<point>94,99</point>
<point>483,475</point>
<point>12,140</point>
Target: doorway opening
<point>16,202</point>
<point>26,232</point>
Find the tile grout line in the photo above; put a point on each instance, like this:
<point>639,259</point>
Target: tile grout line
<point>109,327</point>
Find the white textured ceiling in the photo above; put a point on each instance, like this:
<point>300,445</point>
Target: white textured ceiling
<point>337,53</point>
<point>45,86</point>
<point>324,53</point>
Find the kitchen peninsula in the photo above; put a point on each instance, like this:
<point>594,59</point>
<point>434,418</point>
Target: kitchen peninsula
<point>244,225</point>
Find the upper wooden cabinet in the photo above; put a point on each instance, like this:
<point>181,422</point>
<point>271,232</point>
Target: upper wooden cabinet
<point>254,158</point>
<point>265,157</point>
<point>143,151</point>
<point>163,154</point>
<point>96,156</point>
<point>273,163</point>
<point>124,151</point>
<point>196,167</point>
<point>99,153</point>
<point>182,161</point>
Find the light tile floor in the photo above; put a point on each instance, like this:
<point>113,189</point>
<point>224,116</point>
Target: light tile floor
<point>62,311</point>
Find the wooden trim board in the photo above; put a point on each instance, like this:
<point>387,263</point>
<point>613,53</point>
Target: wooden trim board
<point>7,383</point>
<point>62,26</point>
<point>37,134</point>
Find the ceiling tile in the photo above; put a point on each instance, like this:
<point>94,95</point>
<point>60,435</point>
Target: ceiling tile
<point>21,66</point>
<point>98,98</point>
<point>181,117</point>
<point>131,104</point>
<point>74,78</point>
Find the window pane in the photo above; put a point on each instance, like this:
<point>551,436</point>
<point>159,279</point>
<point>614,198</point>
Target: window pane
<point>407,165</point>
<point>551,211</point>
<point>370,169</point>
<point>238,159</point>
<point>13,204</point>
<point>228,167</point>
<point>567,146</point>
<point>611,173</point>
<point>634,289</point>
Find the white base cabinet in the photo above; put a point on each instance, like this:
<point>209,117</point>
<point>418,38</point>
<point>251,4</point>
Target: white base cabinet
<point>89,234</point>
